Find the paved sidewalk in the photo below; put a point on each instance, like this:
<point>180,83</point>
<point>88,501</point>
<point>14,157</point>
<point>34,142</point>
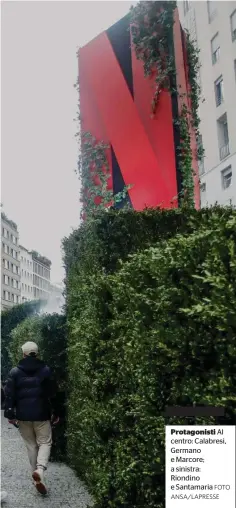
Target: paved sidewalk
<point>64,488</point>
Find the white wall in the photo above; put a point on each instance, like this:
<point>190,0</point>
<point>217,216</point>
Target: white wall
<point>26,270</point>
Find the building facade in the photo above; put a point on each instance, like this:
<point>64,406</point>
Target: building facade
<point>41,276</point>
<point>212,24</point>
<point>26,272</point>
<point>10,287</point>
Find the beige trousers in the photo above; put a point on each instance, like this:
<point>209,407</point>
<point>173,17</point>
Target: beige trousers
<point>38,440</point>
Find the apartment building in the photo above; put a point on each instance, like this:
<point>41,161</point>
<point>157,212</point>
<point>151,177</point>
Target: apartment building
<point>212,24</point>
<point>26,273</point>
<point>10,254</point>
<point>41,276</point>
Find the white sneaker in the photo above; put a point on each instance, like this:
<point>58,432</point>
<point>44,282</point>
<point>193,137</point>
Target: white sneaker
<point>3,496</point>
<point>39,482</point>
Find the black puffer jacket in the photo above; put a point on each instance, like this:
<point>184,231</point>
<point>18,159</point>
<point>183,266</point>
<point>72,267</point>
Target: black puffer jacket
<point>30,392</point>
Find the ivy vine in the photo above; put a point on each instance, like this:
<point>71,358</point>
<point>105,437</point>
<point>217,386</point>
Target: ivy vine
<point>152,36</point>
<point>195,88</point>
<point>94,173</point>
<point>187,193</point>
<point>151,23</point>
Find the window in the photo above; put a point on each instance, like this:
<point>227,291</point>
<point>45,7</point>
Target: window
<point>186,6</point>
<point>212,10</point>
<point>5,233</point>
<point>200,157</point>
<point>219,91</point>
<point>6,249</point>
<point>6,279</point>
<point>14,239</point>
<point>223,136</point>
<point>226,176</point>
<point>215,49</point>
<point>6,264</point>
<point>15,298</point>
<point>14,283</point>
<point>233,25</point>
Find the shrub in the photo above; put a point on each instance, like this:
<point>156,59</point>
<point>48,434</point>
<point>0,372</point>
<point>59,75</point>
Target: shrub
<point>101,243</point>
<point>159,331</point>
<point>49,332</point>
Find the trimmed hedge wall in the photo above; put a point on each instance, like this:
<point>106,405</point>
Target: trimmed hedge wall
<point>101,243</point>
<point>49,332</point>
<point>154,329</point>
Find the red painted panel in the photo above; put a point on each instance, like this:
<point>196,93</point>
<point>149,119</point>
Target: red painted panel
<point>91,120</point>
<point>160,128</point>
<point>182,84</point>
<point>124,129</point>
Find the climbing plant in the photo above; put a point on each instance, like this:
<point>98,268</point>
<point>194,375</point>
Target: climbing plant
<point>152,36</point>
<point>151,26</point>
<point>187,193</point>
<point>94,172</point>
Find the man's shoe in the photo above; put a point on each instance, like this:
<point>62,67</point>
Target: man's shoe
<point>39,483</point>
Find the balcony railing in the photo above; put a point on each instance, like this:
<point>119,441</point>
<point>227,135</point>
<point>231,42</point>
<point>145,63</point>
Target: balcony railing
<point>219,98</point>
<point>224,151</point>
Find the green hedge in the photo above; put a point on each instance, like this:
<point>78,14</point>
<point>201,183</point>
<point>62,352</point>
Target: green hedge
<point>158,331</point>
<point>99,244</point>
<point>49,332</point>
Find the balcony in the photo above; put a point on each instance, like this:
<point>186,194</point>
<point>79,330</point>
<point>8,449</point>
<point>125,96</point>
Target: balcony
<point>224,151</point>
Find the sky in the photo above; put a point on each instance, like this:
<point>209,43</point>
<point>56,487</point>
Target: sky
<point>40,190</point>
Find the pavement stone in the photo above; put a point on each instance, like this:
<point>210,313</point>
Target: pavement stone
<point>65,490</point>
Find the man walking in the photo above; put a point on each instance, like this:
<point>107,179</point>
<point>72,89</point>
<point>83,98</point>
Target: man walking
<point>31,403</point>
